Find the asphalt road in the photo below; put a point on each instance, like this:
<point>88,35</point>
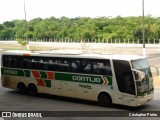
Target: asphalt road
<point>11,100</point>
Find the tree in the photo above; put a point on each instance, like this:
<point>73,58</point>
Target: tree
<point>9,24</point>
<point>7,33</point>
<point>1,27</point>
<point>83,28</point>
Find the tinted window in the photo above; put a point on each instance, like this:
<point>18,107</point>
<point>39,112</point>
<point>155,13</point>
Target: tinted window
<point>85,66</point>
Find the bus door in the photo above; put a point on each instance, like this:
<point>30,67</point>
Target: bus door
<point>125,82</point>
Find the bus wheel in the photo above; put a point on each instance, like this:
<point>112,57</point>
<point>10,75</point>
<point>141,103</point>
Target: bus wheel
<point>32,89</point>
<point>22,88</point>
<point>104,99</point>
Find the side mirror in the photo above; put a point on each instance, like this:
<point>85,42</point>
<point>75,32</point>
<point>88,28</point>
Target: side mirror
<point>139,75</point>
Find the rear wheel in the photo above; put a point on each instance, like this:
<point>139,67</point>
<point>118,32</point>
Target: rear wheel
<point>32,89</point>
<point>104,99</point>
<point>22,88</point>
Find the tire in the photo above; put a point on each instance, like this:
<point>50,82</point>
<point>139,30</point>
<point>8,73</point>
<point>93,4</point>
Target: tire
<point>22,88</point>
<point>104,100</point>
<point>32,90</point>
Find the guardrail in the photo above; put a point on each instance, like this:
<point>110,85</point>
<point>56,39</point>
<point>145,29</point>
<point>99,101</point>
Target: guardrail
<point>111,41</point>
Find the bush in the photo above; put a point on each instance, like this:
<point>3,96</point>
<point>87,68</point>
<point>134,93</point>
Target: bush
<point>22,42</point>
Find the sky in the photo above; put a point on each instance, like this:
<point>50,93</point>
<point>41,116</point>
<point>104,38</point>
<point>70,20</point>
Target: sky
<point>14,9</point>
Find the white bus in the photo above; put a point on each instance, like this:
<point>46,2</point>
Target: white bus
<point>117,79</point>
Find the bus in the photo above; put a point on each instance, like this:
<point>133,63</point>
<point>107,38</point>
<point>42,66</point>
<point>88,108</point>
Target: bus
<point>105,78</point>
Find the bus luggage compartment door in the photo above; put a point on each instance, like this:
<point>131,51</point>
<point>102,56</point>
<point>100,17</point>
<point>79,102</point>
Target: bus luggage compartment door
<point>68,89</point>
<point>57,90</point>
<point>84,91</point>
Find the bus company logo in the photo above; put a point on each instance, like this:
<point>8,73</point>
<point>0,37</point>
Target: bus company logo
<point>10,72</point>
<point>6,114</point>
<point>86,79</point>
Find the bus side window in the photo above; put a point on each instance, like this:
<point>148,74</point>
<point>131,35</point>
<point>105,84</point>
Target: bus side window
<point>24,63</point>
<point>88,68</point>
<point>33,64</point>
<point>50,64</point>
<point>5,61</point>
<point>10,61</point>
<point>95,68</point>
<point>82,64</point>
<point>56,65</point>
<point>73,67</point>
<point>41,65</point>
<point>108,68</point>
<point>28,63</point>
<point>102,68</point>
<point>21,62</point>
<point>64,66</point>
<point>15,62</point>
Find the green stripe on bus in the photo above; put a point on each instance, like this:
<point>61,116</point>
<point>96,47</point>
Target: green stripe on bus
<point>27,73</point>
<point>16,72</point>
<point>84,78</point>
<point>47,83</point>
<point>109,80</point>
<point>43,74</point>
<point>94,79</point>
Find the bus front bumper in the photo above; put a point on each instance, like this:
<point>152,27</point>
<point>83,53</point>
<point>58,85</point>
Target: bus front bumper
<point>139,101</point>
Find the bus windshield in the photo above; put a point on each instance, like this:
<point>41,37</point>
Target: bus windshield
<point>145,86</point>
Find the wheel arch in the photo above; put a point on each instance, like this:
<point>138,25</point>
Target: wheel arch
<point>31,84</point>
<point>104,92</point>
<point>105,99</point>
<point>21,83</point>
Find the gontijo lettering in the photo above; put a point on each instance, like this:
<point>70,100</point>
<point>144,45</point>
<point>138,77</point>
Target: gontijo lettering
<point>86,79</point>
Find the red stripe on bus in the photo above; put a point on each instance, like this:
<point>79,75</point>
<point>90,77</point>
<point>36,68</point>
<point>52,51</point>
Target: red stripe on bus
<point>40,82</point>
<point>105,80</point>
<point>50,75</point>
<point>36,73</point>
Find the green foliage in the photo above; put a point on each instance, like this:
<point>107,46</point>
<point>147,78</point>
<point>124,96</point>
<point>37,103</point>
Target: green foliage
<point>1,27</point>
<point>9,24</point>
<point>83,28</point>
<point>7,33</point>
<point>22,42</point>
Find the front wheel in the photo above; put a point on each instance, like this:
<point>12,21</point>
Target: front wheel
<point>104,99</point>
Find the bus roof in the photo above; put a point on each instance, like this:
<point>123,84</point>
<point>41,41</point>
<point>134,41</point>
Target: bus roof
<point>73,54</point>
